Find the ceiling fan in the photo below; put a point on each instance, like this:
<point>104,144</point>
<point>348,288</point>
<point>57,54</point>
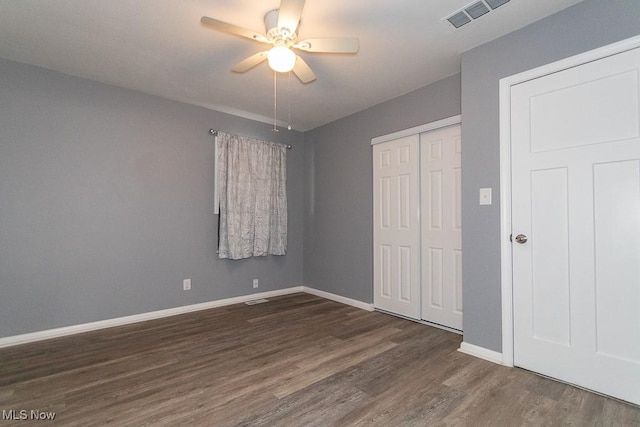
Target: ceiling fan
<point>282,33</point>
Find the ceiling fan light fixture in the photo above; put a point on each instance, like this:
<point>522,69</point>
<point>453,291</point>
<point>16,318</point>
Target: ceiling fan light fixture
<point>281,59</point>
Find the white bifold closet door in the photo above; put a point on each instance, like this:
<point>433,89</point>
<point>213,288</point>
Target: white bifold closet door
<point>576,225</point>
<point>396,236</point>
<point>441,223</point>
<point>417,226</point>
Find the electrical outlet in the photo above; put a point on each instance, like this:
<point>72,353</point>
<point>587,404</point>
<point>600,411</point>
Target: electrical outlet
<point>186,284</point>
<point>255,283</point>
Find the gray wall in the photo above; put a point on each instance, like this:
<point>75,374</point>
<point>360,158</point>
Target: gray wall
<point>106,203</point>
<point>585,26</point>
<point>338,227</point>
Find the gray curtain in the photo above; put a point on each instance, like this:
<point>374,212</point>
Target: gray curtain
<point>252,187</point>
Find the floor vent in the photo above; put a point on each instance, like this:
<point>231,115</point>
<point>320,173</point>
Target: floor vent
<point>472,12</point>
<point>256,301</point>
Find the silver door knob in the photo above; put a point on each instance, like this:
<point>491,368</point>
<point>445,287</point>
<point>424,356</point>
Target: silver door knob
<point>521,238</point>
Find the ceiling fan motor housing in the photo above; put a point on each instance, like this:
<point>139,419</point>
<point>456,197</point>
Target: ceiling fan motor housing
<point>278,36</point>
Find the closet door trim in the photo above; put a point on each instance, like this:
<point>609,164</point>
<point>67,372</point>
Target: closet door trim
<point>449,121</point>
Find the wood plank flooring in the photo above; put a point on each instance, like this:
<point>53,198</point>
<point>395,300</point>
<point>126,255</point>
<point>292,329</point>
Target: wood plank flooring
<point>298,360</point>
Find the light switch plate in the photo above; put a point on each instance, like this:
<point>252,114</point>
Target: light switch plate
<point>485,196</point>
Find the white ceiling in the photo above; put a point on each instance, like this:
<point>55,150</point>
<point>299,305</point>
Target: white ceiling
<point>160,47</point>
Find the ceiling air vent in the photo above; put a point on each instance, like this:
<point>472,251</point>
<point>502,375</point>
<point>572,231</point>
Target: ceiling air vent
<point>494,4</point>
<point>476,10</point>
<point>472,11</point>
<point>459,19</point>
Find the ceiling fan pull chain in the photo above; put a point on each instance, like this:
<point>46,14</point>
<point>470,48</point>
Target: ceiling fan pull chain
<point>275,97</point>
<point>289,98</point>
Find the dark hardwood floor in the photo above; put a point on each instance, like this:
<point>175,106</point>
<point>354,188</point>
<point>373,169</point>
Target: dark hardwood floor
<point>298,360</point>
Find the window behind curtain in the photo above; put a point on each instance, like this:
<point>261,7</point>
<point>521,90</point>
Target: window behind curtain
<point>252,189</point>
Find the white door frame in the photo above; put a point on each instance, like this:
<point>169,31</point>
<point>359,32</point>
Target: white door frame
<point>505,172</point>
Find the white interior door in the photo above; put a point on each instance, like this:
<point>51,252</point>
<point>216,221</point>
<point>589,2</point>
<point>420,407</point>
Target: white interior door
<point>576,198</point>
<point>441,184</point>
<point>396,236</point>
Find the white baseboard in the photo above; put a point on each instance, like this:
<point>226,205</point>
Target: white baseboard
<point>481,352</point>
<point>473,350</point>
<point>119,321</point>
<point>126,320</point>
<point>344,300</point>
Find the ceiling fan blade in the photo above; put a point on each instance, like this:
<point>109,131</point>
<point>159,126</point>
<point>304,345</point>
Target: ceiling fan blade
<point>302,70</point>
<point>250,62</point>
<point>329,45</point>
<point>233,29</point>
<point>289,14</point>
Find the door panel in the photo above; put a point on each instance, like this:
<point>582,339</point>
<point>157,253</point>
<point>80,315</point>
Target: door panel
<point>616,217</point>
<point>434,269</point>
<point>396,226</point>
<point>442,226</point>
<point>550,255</point>
<point>576,196</point>
<point>611,116</point>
